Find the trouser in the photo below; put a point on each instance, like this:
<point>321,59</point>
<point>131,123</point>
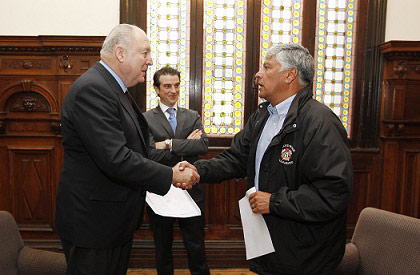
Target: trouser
<point>89,261</point>
<point>193,235</point>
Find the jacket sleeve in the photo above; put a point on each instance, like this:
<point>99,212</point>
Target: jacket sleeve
<point>191,147</point>
<point>163,156</point>
<point>96,116</point>
<point>325,176</point>
<point>232,163</point>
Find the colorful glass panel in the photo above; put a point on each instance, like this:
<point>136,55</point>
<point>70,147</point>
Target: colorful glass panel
<point>334,56</point>
<point>281,22</point>
<point>224,29</point>
<point>168,27</point>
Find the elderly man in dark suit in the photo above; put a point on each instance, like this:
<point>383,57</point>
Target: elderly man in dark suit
<point>177,135</point>
<point>101,194</point>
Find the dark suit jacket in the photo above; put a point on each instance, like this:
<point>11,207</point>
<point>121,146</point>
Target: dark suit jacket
<point>101,193</point>
<point>182,148</point>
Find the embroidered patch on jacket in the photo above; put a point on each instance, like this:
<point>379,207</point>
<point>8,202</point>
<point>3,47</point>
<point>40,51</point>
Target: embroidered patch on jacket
<point>286,154</point>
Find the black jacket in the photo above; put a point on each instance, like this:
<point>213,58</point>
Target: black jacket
<point>307,169</point>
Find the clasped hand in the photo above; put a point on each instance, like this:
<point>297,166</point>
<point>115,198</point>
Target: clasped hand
<point>185,175</point>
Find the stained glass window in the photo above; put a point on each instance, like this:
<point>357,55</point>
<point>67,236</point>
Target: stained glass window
<point>168,26</point>
<point>224,29</point>
<point>281,22</point>
<point>334,56</point>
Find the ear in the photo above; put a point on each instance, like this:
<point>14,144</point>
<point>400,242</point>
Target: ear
<point>291,75</point>
<point>156,88</point>
<point>120,53</point>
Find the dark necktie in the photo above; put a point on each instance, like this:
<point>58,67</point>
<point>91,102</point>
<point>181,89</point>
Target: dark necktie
<point>129,98</point>
<point>172,118</point>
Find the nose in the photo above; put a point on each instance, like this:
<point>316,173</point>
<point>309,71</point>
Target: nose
<point>149,61</point>
<point>258,74</point>
<point>173,89</point>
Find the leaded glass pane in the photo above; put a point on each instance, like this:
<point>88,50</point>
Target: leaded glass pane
<point>224,29</point>
<point>281,22</point>
<point>334,56</point>
<point>168,27</point>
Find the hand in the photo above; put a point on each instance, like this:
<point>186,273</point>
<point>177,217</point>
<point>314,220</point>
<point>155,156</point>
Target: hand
<point>184,177</point>
<point>196,134</point>
<point>160,145</point>
<point>260,202</point>
<point>184,164</point>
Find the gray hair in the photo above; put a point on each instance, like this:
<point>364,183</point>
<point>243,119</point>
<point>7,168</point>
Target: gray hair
<point>121,34</point>
<point>294,56</point>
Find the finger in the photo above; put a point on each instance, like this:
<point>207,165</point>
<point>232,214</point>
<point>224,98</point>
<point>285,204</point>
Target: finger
<point>192,167</point>
<point>196,176</point>
<point>186,186</point>
<point>182,166</point>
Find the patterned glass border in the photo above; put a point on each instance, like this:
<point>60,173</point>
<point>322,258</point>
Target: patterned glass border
<point>334,56</point>
<point>168,26</point>
<point>224,29</point>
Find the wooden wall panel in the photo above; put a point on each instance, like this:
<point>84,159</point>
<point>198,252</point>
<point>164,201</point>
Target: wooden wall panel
<point>31,181</point>
<point>400,128</point>
<point>366,189</point>
<point>35,75</point>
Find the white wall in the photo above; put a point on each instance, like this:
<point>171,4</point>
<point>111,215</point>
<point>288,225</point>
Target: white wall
<point>58,17</point>
<point>402,20</point>
<point>98,17</point>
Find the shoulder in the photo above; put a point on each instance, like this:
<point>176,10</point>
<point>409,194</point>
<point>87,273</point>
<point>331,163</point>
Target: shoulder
<point>316,116</point>
<point>188,112</point>
<point>149,115</point>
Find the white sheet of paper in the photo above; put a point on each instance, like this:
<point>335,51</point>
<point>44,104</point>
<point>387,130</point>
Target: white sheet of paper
<point>256,235</point>
<point>176,203</point>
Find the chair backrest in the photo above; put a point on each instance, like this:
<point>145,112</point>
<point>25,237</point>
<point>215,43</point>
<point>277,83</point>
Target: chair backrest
<point>10,243</point>
<point>388,243</point>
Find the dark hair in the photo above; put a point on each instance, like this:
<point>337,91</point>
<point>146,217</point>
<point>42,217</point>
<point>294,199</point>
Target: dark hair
<point>164,71</point>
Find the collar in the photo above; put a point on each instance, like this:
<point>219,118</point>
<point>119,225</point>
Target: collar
<point>117,78</point>
<point>163,107</point>
<point>282,108</point>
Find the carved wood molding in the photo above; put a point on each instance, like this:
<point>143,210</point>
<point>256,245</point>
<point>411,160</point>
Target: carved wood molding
<point>66,63</point>
<point>26,64</point>
<point>49,49</point>
<point>2,127</point>
<point>402,54</point>
<point>394,129</point>
<point>401,49</point>
<point>50,44</point>
<point>56,127</point>
<point>403,68</point>
<point>400,68</point>
<point>29,102</point>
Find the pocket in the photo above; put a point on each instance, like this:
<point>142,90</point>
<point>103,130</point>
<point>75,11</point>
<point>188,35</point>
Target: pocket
<point>115,195</point>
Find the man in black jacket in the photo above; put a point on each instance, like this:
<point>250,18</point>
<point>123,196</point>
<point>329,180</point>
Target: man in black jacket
<point>294,150</point>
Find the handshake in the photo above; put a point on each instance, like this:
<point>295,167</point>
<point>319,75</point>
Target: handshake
<point>184,175</point>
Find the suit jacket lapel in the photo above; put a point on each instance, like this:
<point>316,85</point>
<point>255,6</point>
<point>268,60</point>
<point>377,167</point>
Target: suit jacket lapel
<point>126,104</point>
<point>180,120</point>
<point>161,118</point>
<point>136,116</point>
